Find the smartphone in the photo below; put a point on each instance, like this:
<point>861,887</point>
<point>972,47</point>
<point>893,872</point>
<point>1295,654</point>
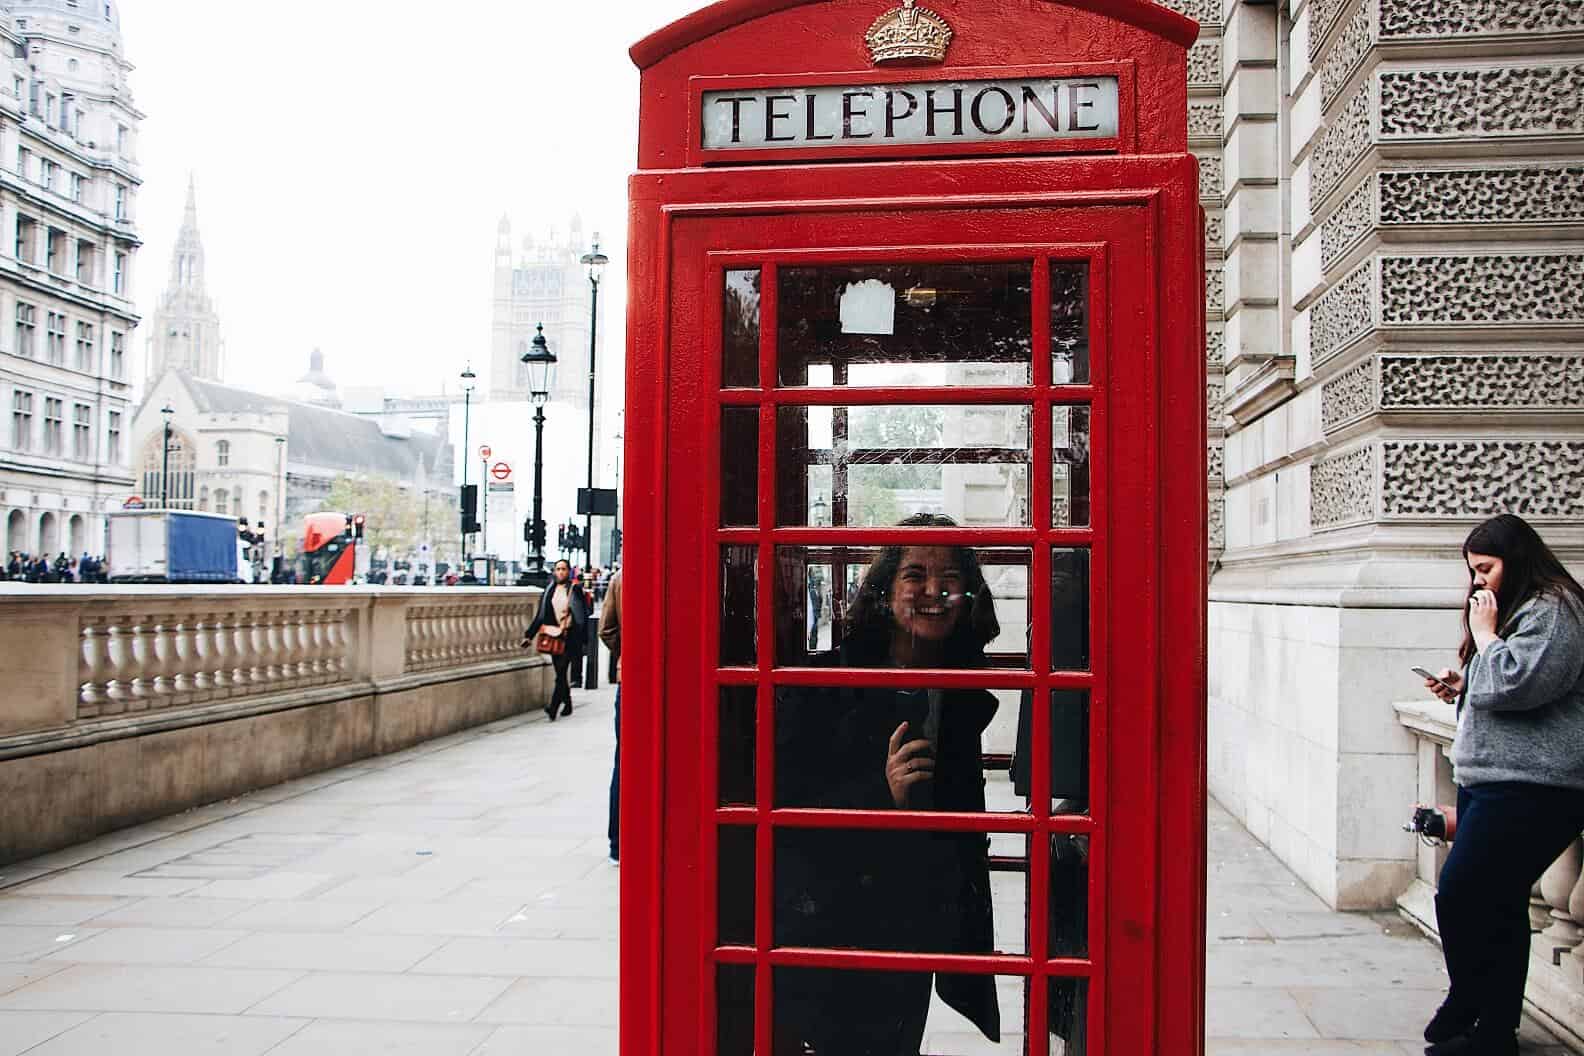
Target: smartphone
<point>1422,673</point>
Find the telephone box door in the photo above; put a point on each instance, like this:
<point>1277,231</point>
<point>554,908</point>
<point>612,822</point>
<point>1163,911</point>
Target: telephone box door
<point>911,757</point>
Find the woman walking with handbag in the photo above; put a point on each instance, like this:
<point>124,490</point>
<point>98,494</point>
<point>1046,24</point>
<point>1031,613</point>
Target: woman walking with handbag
<point>562,618</point>
<point>1518,760</point>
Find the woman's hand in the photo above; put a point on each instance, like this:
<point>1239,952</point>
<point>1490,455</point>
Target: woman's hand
<point>907,765</point>
<point>1482,617</point>
<point>1449,687</point>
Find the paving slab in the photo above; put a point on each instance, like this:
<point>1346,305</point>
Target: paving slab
<point>21,1031</point>
<point>147,1034</point>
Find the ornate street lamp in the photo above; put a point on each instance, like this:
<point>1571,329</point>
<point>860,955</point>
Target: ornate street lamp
<point>468,377</point>
<point>280,506</point>
<point>167,411</point>
<point>595,262</point>
<point>541,365</point>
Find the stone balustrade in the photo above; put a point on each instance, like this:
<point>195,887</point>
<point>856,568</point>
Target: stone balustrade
<point>1556,905</point>
<point>145,700</point>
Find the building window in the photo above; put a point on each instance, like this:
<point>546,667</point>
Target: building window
<point>264,505</point>
<point>121,140</point>
<point>203,499</point>
<point>46,174</point>
<point>82,432</point>
<point>21,421</point>
<point>54,426</point>
<point>49,108</point>
<point>18,86</point>
<point>182,464</point>
<point>222,501</point>
<point>55,251</point>
<point>117,355</point>
<point>26,237</point>
<point>120,274</point>
<point>24,160</point>
<point>55,338</point>
<point>78,182</point>
<point>113,438</point>
<point>120,201</point>
<point>85,263</point>
<point>223,453</point>
<point>24,329</point>
<point>85,347</point>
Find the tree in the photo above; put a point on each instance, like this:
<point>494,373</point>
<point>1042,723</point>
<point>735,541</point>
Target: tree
<point>393,513</point>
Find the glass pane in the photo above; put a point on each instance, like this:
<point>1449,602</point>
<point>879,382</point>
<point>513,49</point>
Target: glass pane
<point>883,749</point>
<point>739,587</point>
<point>906,324</point>
<point>846,1012</point>
<point>1068,1016</point>
<point>734,1009</point>
<point>1069,896</point>
<point>877,465</point>
<point>735,886</point>
<point>1070,322</point>
<point>739,467</point>
<point>923,606</point>
<point>918,892</point>
<point>1070,609</point>
<point>737,724</point>
<point>740,330</point>
<point>1069,750</point>
<point>1070,467</point>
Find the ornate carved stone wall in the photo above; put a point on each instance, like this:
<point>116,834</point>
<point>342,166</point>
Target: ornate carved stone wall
<point>1518,381</point>
<point>1433,19</point>
<point>1341,145</point>
<point>1502,194</point>
<point>1469,479</point>
<point>1204,119</point>
<point>1348,397</point>
<point>1210,176</point>
<point>1343,313</point>
<point>1343,229</point>
<point>1342,489</point>
<point>1345,56</point>
<point>1509,100</point>
<point>1488,288</point>
<point>1204,64</point>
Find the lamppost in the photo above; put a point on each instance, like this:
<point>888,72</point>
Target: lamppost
<point>467,405</point>
<point>166,411</point>
<point>595,262</point>
<point>541,362</point>
<point>278,573</point>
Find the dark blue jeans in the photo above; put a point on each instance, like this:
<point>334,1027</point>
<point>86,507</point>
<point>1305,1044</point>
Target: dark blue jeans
<point>1507,834</point>
<point>615,789</point>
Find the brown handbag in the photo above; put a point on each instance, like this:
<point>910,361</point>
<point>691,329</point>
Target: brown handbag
<point>550,641</point>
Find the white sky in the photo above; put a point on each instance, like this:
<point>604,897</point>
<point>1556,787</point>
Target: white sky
<point>354,158</point>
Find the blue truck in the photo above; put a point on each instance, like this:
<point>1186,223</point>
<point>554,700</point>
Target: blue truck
<point>175,546</point>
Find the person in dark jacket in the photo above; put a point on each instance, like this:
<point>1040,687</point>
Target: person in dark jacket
<point>1518,761</point>
<point>610,634</point>
<point>885,749</point>
<point>562,605</point>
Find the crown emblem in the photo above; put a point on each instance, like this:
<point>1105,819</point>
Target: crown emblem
<point>908,35</point>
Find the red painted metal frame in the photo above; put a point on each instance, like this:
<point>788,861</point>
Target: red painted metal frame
<point>1126,138</point>
<point>1136,218</point>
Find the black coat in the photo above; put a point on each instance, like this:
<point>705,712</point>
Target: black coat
<point>546,615</point>
<point>924,892</point>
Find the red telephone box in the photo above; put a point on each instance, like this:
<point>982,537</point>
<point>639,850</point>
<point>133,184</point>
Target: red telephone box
<point>916,580</point>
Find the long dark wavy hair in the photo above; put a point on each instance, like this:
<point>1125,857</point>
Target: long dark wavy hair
<point>1529,568</point>
<point>869,623</point>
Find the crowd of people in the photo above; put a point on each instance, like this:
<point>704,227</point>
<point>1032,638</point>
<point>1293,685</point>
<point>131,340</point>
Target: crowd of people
<point>23,567</point>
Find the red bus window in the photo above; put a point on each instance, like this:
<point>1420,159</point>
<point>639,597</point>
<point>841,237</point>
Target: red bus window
<point>1069,322</point>
<point>877,464</point>
<point>896,324</point>
<point>740,330</point>
<point>815,618</point>
<point>1070,467</point>
<point>737,722</point>
<point>739,480</point>
<point>739,586</point>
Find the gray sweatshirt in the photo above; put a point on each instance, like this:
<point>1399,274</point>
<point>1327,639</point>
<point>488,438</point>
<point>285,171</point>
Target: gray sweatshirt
<point>1522,717</point>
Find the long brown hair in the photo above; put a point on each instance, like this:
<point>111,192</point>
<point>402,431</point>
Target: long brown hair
<point>1529,568</point>
<point>870,622</point>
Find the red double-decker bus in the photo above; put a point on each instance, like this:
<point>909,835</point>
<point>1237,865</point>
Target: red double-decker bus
<point>329,554</point>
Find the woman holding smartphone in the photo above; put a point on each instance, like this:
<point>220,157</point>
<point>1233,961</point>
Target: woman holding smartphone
<point>1518,761</point>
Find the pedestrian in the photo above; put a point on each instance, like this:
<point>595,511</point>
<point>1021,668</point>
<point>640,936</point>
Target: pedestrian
<point>887,749</point>
<point>561,605</point>
<point>1518,762</point>
<point>610,634</point>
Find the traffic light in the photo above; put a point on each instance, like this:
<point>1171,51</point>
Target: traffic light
<point>357,526</point>
<point>469,509</point>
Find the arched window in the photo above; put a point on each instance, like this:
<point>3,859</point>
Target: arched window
<point>182,465</point>
<point>203,499</point>
<point>223,453</point>
<point>222,501</point>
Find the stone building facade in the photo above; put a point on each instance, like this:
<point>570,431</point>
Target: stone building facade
<point>1395,202</point>
<point>68,192</point>
<point>185,331</point>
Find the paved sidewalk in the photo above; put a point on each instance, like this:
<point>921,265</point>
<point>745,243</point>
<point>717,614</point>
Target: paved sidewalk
<point>456,899</point>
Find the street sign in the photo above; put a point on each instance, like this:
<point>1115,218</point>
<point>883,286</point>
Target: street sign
<point>501,471</point>
<point>496,486</point>
<point>484,451</point>
<point>602,503</point>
